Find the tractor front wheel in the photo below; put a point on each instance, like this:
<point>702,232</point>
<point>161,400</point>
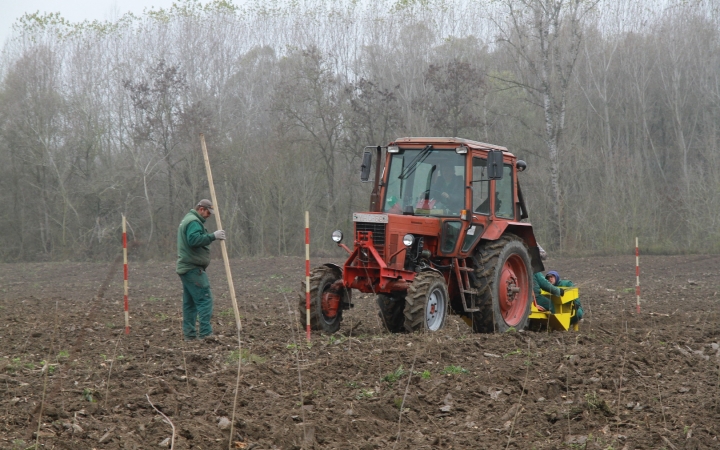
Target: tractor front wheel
<point>504,279</point>
<point>426,303</point>
<point>327,296</point>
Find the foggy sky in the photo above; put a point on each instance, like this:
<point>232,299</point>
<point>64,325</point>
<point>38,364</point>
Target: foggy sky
<point>73,10</point>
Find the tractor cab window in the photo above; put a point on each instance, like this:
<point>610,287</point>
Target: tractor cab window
<point>481,187</point>
<point>504,204</point>
<point>431,181</point>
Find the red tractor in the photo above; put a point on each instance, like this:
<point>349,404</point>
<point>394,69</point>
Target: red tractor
<point>443,234</point>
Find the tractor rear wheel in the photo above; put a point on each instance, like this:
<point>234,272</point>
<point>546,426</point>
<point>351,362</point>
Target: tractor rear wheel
<point>503,278</point>
<point>326,299</point>
<point>426,303</point>
<point>391,312</point>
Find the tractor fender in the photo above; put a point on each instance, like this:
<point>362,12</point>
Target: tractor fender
<point>432,269</point>
<point>494,230</point>
<point>523,230</point>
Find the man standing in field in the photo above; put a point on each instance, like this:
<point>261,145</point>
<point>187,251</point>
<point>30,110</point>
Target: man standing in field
<point>193,245</point>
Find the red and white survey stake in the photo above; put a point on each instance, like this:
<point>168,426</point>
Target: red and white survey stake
<point>125,276</point>
<point>637,275</point>
<point>307,274</point>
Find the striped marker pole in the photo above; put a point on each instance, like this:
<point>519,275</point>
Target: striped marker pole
<point>637,274</point>
<point>125,276</point>
<point>307,274</point>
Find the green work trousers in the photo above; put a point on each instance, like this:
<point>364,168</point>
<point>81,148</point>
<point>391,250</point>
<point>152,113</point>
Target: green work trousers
<point>197,303</point>
<point>579,313</point>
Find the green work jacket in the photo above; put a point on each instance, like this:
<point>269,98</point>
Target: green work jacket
<point>539,282</point>
<point>193,243</point>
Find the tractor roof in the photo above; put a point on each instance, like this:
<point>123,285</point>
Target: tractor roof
<point>448,140</point>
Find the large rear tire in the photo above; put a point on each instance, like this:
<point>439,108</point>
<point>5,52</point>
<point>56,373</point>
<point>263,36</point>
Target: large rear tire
<point>321,280</point>
<point>391,312</point>
<point>426,303</point>
<point>503,278</point>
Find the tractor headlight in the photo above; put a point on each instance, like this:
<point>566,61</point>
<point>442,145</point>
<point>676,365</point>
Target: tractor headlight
<point>337,236</point>
<point>393,149</point>
<point>408,240</point>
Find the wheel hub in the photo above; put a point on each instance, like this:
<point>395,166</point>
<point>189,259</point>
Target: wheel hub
<point>330,303</point>
<point>434,310</point>
<point>513,290</point>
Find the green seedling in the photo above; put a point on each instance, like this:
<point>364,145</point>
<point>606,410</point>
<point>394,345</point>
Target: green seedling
<point>155,299</point>
<point>247,357</point>
<point>352,384</point>
<point>336,340</point>
<point>226,313</point>
<point>514,352</point>
<point>425,375</point>
<point>511,330</point>
<point>161,316</point>
<point>365,393</point>
<point>87,395</point>
<point>63,354</point>
<point>453,370</point>
<point>392,377</point>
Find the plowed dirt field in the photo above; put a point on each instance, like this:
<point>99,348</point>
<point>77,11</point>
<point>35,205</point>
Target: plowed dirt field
<point>71,379</point>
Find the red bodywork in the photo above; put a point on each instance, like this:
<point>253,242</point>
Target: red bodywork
<point>367,270</point>
<point>377,261</point>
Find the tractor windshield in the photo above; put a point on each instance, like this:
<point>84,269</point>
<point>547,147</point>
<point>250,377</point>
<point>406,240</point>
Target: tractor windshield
<point>431,181</point>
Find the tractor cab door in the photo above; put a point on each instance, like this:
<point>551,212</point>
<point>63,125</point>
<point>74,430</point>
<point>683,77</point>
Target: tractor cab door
<point>504,198</point>
<point>481,202</point>
<point>483,207</point>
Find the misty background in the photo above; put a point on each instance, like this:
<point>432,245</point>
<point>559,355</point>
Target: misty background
<point>614,105</point>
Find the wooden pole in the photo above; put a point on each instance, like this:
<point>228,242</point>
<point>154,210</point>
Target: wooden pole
<point>231,286</point>
<point>125,275</point>
<point>307,275</point>
<point>637,275</point>
<point>223,247</point>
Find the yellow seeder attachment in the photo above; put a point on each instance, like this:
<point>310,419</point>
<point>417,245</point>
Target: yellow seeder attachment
<point>564,311</point>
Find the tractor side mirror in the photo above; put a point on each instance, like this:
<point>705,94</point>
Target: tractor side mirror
<point>495,164</point>
<point>366,164</point>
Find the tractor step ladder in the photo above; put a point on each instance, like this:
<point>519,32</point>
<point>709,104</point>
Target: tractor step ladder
<point>461,273</point>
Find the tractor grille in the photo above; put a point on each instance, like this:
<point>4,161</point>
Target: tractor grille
<point>378,232</point>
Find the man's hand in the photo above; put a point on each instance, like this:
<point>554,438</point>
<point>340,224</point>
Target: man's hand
<point>562,292</point>
<point>220,235</point>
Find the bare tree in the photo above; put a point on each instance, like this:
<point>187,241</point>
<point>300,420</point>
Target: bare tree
<point>544,38</point>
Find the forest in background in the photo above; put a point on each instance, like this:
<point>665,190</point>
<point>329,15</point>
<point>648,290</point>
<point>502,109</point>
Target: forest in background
<point>614,105</point>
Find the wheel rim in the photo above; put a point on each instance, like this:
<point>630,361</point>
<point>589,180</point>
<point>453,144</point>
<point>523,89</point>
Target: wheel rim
<point>513,290</point>
<point>327,297</point>
<point>435,310</point>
